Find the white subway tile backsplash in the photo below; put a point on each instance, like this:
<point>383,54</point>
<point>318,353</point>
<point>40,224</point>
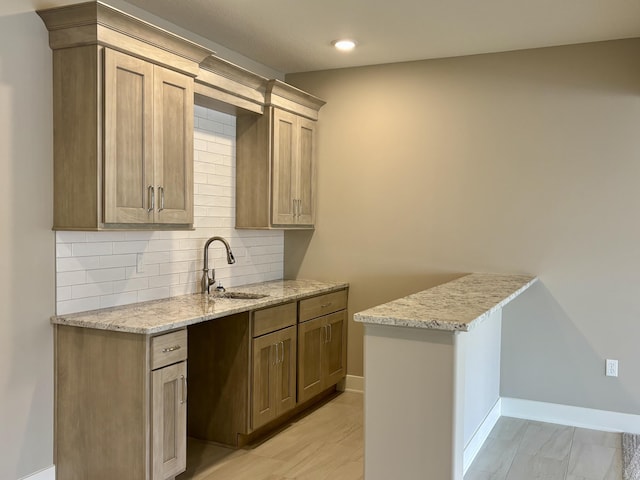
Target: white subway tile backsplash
<point>118,260</point>
<point>100,269</point>
<point>77,305</point>
<point>131,284</point>
<point>91,289</point>
<point>71,237</point>
<point>106,274</point>
<point>63,293</point>
<point>77,277</point>
<point>164,280</point>
<point>153,294</point>
<point>91,249</point>
<point>130,246</point>
<point>63,250</point>
<point>116,299</point>
<point>77,263</point>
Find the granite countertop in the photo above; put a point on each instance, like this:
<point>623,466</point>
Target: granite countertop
<point>175,312</point>
<point>458,305</point>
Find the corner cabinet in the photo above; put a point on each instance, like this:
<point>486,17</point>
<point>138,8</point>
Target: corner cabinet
<point>123,121</point>
<point>276,161</point>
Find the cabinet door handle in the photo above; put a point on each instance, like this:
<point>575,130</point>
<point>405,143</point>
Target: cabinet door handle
<point>184,389</point>
<point>299,207</point>
<point>275,359</point>
<point>152,199</point>
<point>171,349</point>
<point>161,192</point>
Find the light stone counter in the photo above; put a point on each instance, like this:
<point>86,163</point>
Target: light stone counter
<point>459,305</point>
<point>175,312</point>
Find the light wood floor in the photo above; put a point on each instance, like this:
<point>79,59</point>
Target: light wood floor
<point>327,444</point>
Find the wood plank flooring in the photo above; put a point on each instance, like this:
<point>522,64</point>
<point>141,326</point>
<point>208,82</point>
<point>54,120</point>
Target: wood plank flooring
<point>327,444</point>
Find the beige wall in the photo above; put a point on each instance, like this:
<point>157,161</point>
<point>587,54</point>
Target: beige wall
<point>27,287</point>
<point>515,162</point>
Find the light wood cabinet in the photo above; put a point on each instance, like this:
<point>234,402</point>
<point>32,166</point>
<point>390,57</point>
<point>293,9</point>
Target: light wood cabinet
<point>148,143</point>
<point>276,162</point>
<point>145,177</point>
<point>169,420</point>
<point>322,351</point>
<point>123,121</point>
<point>273,384</point>
<point>120,404</point>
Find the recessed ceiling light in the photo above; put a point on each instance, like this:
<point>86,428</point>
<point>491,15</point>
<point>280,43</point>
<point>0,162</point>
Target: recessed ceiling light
<point>344,45</point>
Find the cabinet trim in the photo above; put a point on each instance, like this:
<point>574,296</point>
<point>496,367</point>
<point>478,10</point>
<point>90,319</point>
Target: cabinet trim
<point>97,23</point>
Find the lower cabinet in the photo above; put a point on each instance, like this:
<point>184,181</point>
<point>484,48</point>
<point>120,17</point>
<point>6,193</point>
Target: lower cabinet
<point>169,420</point>
<point>322,354</point>
<point>273,383</point>
<point>120,404</point>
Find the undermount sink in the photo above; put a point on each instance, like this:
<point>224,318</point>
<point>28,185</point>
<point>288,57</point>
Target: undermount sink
<point>238,295</point>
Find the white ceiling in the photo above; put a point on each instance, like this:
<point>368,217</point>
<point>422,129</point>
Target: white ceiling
<point>296,35</point>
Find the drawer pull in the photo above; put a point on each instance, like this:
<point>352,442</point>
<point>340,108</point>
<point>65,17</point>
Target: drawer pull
<point>171,349</point>
<point>325,305</point>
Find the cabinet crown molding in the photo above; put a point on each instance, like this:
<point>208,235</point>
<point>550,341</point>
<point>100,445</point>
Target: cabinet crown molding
<point>95,23</point>
<point>287,97</point>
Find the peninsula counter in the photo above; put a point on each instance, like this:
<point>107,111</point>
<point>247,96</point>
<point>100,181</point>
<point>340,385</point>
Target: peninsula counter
<point>432,376</point>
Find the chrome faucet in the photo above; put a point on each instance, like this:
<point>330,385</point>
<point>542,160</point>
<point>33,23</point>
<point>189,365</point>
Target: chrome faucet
<point>206,280</point>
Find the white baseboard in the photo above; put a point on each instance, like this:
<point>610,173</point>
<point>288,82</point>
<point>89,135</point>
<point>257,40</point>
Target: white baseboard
<point>354,383</point>
<point>474,445</point>
<point>572,416</point>
<point>46,474</point>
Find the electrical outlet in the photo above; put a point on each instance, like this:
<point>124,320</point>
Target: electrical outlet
<point>611,369</point>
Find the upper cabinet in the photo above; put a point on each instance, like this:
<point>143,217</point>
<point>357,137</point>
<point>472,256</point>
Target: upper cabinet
<point>123,100</point>
<point>276,161</point>
<point>123,120</point>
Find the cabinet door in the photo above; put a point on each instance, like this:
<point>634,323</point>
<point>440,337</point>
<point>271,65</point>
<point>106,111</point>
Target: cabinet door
<point>306,181</point>
<point>173,150</point>
<point>128,134</point>
<point>169,421</point>
<point>263,381</point>
<point>284,168</point>
<point>311,336</point>
<point>274,375</point>
<point>286,370</point>
<point>334,358</point>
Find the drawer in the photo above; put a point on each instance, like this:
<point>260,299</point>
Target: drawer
<point>274,318</point>
<point>322,305</point>
<point>168,348</point>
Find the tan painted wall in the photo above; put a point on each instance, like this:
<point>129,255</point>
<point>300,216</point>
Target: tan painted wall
<point>27,285</point>
<point>515,162</point>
